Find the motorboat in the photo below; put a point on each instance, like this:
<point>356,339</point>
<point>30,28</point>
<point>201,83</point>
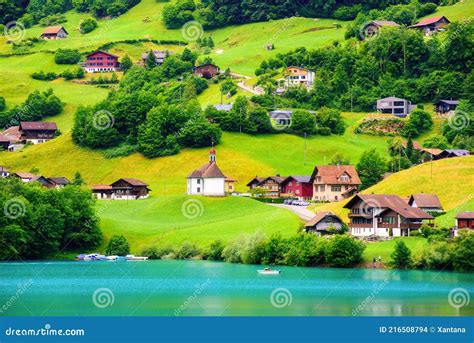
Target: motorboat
<point>269,271</point>
<point>136,258</point>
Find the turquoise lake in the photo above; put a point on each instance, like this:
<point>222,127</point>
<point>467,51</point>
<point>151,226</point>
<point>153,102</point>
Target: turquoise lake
<point>199,288</point>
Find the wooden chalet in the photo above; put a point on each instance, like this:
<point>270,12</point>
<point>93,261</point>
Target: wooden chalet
<point>271,185</point>
<point>465,220</point>
<point>383,215</point>
<point>425,202</point>
<point>37,132</point>
<point>450,153</point>
<point>24,177</point>
<point>431,25</point>
<point>373,28</point>
<point>54,32</point>
<point>160,56</point>
<point>122,189</point>
<point>323,223</point>
<point>207,71</point>
<point>101,61</point>
<point>446,106</point>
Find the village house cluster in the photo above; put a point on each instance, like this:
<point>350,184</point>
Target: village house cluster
<point>15,137</point>
<point>26,177</point>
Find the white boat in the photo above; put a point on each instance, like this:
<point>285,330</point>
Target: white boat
<point>269,271</point>
<point>112,258</point>
<point>136,258</point>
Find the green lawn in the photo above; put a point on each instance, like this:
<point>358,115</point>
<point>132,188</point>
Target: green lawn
<point>172,220</point>
<point>385,249</point>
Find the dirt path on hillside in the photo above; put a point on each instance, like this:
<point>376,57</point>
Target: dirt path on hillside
<point>301,211</point>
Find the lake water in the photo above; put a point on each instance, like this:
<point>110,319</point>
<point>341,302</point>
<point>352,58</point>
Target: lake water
<point>199,288</point>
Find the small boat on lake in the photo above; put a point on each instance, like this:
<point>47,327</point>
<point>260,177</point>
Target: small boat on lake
<point>136,258</point>
<point>269,271</point>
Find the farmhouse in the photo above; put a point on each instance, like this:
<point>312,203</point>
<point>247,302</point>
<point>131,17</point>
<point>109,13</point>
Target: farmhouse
<point>229,185</point>
<point>223,107</point>
<point>431,25</point>
<point>425,202</point>
<point>160,56</point>
<point>5,142</point>
<point>24,177</point>
<point>323,223</point>
<point>396,106</point>
<point>450,153</point>
<point>209,180</point>
<point>101,61</point>
<point>334,183</point>
<point>54,32</point>
<point>383,215</point>
<point>372,28</point>
<point>122,189</point>
<point>11,135</point>
<point>446,106</point>
<point>59,182</point>
<point>37,132</point>
<point>271,185</point>
<point>298,76</point>
<point>207,71</point>
<point>4,172</point>
<point>299,187</point>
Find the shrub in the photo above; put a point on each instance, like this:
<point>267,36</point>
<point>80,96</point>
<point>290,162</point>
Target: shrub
<point>306,250</point>
<point>53,19</point>
<point>2,103</point>
<point>118,245</point>
<point>214,252</point>
<point>122,150</point>
<point>275,250</point>
<point>231,252</point>
<point>154,253</point>
<point>87,25</point>
<point>344,251</point>
<point>401,256</point>
<point>187,251</point>
<point>67,56</point>
<point>254,249</point>
<point>41,75</point>
<point>437,256</point>
<point>464,252</point>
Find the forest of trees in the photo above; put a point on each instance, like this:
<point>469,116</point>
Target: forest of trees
<point>40,222</point>
<point>218,13</point>
<point>30,12</point>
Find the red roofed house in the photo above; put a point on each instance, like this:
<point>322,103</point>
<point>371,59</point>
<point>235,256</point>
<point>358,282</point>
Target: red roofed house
<point>207,71</point>
<point>383,215</point>
<point>431,25</point>
<point>208,180</point>
<point>122,189</point>
<point>101,61</point>
<point>37,132</point>
<point>335,182</point>
<point>299,187</point>
<point>54,32</point>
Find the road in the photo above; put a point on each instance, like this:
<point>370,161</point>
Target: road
<point>301,211</point>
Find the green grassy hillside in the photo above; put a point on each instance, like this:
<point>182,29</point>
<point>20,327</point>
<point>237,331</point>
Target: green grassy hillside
<point>170,221</point>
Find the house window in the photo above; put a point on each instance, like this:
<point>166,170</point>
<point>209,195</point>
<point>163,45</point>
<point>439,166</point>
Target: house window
<point>344,178</point>
<point>199,189</point>
<point>335,188</point>
<point>388,220</point>
<point>198,181</point>
<point>322,188</point>
<point>297,191</point>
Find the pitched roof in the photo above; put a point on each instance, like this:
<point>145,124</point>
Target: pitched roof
<point>458,152</point>
<point>24,175</point>
<point>465,215</point>
<point>331,174</point>
<point>416,145</point>
<point>37,125</point>
<point>102,51</point>
<point>425,200</point>
<point>209,170</point>
<point>59,180</point>
<point>392,98</point>
<point>5,138</point>
<point>205,65</point>
<point>257,180</point>
<point>392,202</point>
<point>449,102</point>
<point>101,187</point>
<point>384,23</point>
<point>133,182</point>
<point>53,29</point>
<point>434,152</point>
<point>302,179</point>
<point>320,216</point>
<point>226,107</point>
<point>13,132</point>
<point>429,21</point>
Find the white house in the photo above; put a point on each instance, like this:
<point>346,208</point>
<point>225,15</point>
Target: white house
<point>297,76</point>
<point>207,180</point>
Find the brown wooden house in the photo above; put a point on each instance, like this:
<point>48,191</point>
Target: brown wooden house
<point>334,182</point>
<point>323,222</point>
<point>446,106</point>
<point>271,185</point>
<point>431,25</point>
<point>465,220</point>
<point>122,189</point>
<point>207,71</point>
<point>36,132</point>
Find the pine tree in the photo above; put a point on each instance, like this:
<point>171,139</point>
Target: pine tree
<point>401,256</point>
<point>126,63</point>
<point>150,61</point>
<point>78,180</point>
